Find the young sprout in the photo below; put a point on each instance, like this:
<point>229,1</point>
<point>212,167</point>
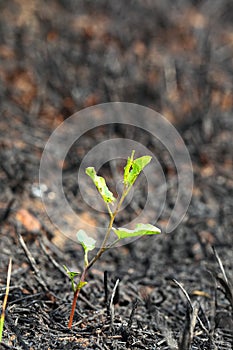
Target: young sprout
<point>2,318</point>
<point>131,172</point>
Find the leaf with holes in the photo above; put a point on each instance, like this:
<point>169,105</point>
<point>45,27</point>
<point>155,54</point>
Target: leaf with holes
<point>134,167</point>
<point>101,186</point>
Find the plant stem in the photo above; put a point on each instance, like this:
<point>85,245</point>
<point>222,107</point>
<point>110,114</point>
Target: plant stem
<point>100,251</point>
<point>76,294</point>
<point>112,218</point>
<point>109,210</point>
<point>103,245</point>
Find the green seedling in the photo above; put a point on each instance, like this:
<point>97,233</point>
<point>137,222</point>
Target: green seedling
<point>131,172</point>
<point>2,318</point>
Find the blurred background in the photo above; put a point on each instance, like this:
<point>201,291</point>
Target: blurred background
<point>58,57</point>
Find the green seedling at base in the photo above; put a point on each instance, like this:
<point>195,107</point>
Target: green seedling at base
<point>2,317</point>
<point>131,171</point>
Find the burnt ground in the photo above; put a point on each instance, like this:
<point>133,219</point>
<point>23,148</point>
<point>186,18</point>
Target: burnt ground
<point>58,57</point>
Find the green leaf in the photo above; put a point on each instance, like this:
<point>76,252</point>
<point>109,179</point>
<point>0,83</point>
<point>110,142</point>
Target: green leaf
<point>141,230</point>
<point>81,284</point>
<point>133,168</point>
<point>128,167</point>
<point>87,242</point>
<point>142,162</point>
<point>72,276</point>
<point>100,185</point>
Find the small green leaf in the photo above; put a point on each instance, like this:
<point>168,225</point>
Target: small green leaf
<point>100,185</point>
<point>133,168</point>
<point>128,167</point>
<point>81,284</point>
<point>142,162</point>
<point>133,174</point>
<point>141,230</point>
<point>72,276</point>
<point>87,242</point>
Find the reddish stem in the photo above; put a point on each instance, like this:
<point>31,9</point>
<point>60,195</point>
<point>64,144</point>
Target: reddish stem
<point>76,294</point>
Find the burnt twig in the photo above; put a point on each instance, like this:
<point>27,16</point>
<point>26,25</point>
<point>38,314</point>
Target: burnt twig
<point>187,335</point>
<point>111,305</point>
<point>225,283</point>
<point>50,257</point>
<point>32,262</point>
<point>198,318</point>
<point>106,292</point>
<point>135,305</point>
<point>6,211</point>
